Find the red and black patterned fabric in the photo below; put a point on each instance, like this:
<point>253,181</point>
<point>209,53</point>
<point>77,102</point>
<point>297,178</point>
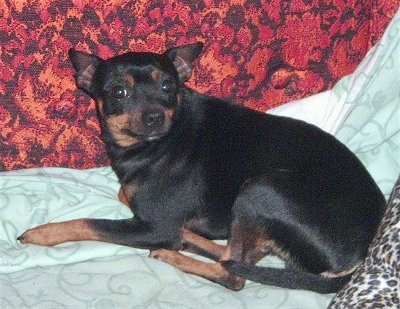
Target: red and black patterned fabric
<point>257,53</point>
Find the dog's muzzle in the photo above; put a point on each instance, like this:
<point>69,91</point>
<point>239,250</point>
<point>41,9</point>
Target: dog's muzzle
<point>153,120</point>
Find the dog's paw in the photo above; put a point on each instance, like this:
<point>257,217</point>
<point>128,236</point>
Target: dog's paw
<point>171,257</point>
<point>157,254</point>
<point>22,238</point>
<point>43,235</point>
<point>32,236</point>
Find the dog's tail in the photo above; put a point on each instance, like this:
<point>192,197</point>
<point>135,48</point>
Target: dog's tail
<point>286,278</point>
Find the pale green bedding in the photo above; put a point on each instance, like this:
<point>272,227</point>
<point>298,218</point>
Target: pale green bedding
<point>98,275</point>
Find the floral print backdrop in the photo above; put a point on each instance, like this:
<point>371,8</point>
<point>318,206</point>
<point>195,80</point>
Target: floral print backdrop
<point>257,53</point>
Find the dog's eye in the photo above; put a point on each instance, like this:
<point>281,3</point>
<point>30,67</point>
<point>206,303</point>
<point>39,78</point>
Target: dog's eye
<point>118,92</point>
<point>168,86</point>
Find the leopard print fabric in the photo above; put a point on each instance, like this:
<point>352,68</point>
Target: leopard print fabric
<point>376,283</point>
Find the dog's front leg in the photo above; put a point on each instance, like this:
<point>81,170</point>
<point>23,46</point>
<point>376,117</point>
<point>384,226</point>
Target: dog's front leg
<point>51,234</point>
<point>127,232</point>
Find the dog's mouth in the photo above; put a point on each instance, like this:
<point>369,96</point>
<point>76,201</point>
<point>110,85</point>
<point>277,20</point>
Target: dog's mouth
<point>129,129</point>
<point>144,125</point>
<point>143,136</point>
<point>150,125</point>
<point>126,138</point>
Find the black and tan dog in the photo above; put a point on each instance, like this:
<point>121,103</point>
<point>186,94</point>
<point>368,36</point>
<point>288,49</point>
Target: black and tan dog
<point>194,168</point>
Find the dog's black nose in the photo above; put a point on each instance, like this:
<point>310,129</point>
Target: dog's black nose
<point>153,120</point>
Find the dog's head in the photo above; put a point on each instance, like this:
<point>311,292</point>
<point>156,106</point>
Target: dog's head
<point>138,92</point>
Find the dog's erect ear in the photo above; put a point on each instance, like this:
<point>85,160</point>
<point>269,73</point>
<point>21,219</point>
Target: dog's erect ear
<point>182,57</point>
<point>85,65</point>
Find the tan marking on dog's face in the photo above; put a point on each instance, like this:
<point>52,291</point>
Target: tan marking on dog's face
<point>129,80</point>
<point>169,112</point>
<point>155,74</point>
<point>116,124</point>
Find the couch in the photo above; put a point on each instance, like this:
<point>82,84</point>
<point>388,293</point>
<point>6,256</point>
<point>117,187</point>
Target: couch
<point>257,53</point>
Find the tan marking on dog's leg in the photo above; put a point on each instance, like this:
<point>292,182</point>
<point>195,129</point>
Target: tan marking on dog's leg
<point>116,124</point>
<point>122,197</point>
<point>51,234</point>
<point>247,243</point>
<point>328,274</point>
<point>126,193</point>
<point>214,272</point>
<point>200,244</point>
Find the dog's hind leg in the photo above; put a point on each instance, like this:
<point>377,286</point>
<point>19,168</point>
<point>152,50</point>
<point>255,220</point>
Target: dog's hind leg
<point>294,217</point>
<point>212,271</point>
<point>244,245</point>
